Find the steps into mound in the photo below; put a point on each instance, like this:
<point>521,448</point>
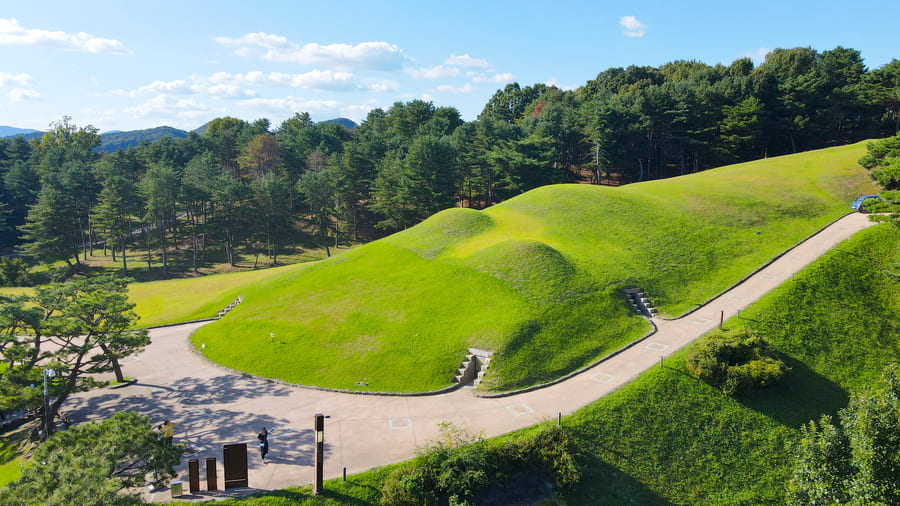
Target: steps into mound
<point>640,303</point>
<point>473,367</point>
<point>230,307</point>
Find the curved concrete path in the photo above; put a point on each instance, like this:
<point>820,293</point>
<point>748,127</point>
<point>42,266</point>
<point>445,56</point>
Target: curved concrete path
<point>212,406</point>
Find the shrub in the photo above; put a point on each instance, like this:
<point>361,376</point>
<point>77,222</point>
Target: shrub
<point>458,466</point>
<point>735,362</point>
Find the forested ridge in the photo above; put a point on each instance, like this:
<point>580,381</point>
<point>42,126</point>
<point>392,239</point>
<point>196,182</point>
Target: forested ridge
<point>244,185</point>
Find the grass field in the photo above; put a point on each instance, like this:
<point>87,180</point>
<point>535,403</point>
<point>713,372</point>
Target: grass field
<point>538,278</point>
<point>667,438</point>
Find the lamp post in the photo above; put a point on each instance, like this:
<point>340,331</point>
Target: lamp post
<point>51,374</point>
<point>319,428</point>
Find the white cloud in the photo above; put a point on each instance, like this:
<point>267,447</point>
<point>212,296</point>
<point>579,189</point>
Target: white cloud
<point>504,77</point>
<point>22,78</point>
<point>265,40</point>
<point>290,104</point>
<point>758,56</point>
<point>315,79</point>
<point>168,105</point>
<point>436,72</point>
<point>222,91</point>
<point>467,61</point>
<point>13,33</point>
<point>181,87</point>
<point>366,55</point>
<point>156,87</point>
<point>446,88</point>
<point>554,82</point>
<point>382,86</point>
<point>21,95</point>
<point>633,27</point>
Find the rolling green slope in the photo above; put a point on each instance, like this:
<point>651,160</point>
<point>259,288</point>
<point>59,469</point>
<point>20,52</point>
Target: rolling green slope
<point>667,438</point>
<point>538,278</point>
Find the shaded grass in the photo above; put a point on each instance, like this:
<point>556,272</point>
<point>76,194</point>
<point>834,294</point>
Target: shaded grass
<point>538,278</point>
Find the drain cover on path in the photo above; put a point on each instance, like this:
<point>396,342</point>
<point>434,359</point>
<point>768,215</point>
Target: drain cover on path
<point>657,346</point>
<point>400,423</point>
<point>602,377</point>
<point>519,409</point>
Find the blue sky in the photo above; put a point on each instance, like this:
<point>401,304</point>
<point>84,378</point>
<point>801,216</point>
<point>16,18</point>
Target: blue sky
<point>126,65</point>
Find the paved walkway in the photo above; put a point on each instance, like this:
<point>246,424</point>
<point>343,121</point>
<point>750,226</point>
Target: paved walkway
<point>212,406</point>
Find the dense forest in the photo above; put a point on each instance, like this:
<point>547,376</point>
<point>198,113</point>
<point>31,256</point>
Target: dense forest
<point>242,185</point>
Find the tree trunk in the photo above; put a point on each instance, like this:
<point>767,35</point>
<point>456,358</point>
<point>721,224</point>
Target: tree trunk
<point>149,265</point>
<point>115,363</point>
<point>124,259</point>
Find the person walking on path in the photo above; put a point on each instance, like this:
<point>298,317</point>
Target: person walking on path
<point>263,437</point>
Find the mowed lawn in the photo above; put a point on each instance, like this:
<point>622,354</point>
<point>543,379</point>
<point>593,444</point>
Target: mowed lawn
<point>537,279</point>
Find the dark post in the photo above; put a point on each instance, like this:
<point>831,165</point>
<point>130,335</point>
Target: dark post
<point>319,428</point>
<point>234,458</point>
<point>211,482</point>
<point>721,319</point>
<point>194,475</point>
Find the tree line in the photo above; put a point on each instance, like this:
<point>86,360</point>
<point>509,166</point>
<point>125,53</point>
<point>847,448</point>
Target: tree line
<point>241,186</point>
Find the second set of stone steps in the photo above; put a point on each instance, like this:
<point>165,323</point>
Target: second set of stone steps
<point>640,303</point>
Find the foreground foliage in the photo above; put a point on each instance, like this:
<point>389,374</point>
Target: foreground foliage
<point>95,464</point>
<point>76,329</point>
<point>857,459</point>
<point>457,467</point>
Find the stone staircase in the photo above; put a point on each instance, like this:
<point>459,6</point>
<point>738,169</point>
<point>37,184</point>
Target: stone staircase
<point>640,303</point>
<point>473,367</point>
<point>230,307</point>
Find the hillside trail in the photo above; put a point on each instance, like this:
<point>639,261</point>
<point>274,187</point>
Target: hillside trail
<point>212,406</point>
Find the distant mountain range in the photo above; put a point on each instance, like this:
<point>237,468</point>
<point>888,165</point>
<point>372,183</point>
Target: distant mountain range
<point>115,140</point>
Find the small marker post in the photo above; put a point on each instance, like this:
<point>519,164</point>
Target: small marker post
<point>660,360</point>
<point>559,418</point>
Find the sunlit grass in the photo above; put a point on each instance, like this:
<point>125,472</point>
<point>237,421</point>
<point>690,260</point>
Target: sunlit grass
<point>538,278</point>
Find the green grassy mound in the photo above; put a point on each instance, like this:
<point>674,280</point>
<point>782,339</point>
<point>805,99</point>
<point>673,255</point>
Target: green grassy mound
<point>669,438</point>
<point>538,278</point>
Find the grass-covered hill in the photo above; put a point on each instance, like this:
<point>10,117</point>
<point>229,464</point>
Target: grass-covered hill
<point>538,278</point>
<point>667,438</point>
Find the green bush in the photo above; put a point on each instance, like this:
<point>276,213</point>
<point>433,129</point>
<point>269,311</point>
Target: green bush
<point>735,362</point>
<point>454,469</point>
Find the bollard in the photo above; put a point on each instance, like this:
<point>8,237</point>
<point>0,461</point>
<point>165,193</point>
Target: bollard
<point>211,481</point>
<point>193,475</point>
<point>660,360</point>
<point>559,418</point>
<point>344,474</point>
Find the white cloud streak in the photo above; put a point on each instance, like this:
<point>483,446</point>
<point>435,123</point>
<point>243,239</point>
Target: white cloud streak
<point>467,61</point>
<point>504,77</point>
<point>13,33</point>
<point>366,55</point>
<point>22,95</point>
<point>633,27</point>
<point>436,72</point>
<point>446,88</point>
<point>6,78</point>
